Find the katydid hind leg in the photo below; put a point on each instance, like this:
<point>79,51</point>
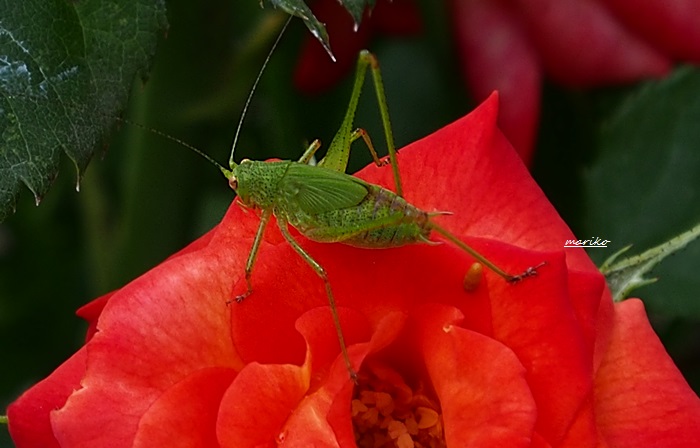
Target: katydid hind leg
<point>384,112</point>
<point>510,278</point>
<point>339,149</point>
<point>282,223</point>
<point>264,219</point>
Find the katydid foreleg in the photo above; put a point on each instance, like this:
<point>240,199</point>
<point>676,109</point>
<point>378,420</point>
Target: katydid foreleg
<point>264,219</point>
<point>310,151</point>
<point>357,133</point>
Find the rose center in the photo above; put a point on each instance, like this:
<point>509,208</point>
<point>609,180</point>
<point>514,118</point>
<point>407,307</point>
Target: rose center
<point>386,412</point>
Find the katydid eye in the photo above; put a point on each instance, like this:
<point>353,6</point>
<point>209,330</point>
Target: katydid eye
<point>233,183</point>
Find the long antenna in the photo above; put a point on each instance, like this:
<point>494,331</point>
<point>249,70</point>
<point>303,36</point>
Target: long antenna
<point>176,140</point>
<point>231,163</point>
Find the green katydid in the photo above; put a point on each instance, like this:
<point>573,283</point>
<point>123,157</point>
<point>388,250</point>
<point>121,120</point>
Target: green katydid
<point>326,205</point>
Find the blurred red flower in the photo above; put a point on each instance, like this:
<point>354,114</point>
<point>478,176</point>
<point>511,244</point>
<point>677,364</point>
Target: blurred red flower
<point>316,72</point>
<point>507,45</point>
<point>511,45</point>
<point>546,362</point>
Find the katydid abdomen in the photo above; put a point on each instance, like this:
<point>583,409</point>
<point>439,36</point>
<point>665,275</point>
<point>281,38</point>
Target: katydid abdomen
<point>381,220</point>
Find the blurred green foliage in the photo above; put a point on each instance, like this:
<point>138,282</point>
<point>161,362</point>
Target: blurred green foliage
<point>145,197</point>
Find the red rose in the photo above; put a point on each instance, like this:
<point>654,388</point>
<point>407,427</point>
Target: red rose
<point>546,362</point>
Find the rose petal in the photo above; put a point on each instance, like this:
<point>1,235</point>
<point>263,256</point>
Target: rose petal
<point>255,407</point>
<point>153,333</point>
<point>29,415</point>
<point>481,384</point>
<point>323,418</point>
<point>536,320</point>
<point>293,412</point>
<point>641,398</point>
<point>322,345</point>
<point>91,313</point>
<point>588,293</point>
<point>186,414</point>
<point>373,281</point>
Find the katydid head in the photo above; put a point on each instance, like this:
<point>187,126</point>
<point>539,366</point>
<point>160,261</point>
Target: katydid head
<point>256,182</point>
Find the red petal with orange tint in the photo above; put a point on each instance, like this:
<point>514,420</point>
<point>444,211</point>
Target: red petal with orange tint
<point>187,412</point>
<point>29,415</point>
<point>257,404</point>
<point>302,406</point>
<point>536,320</point>
<point>482,386</point>
<point>322,418</point>
<point>152,334</point>
<point>641,398</point>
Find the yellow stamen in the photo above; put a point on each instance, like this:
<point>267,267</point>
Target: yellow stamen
<point>386,412</point>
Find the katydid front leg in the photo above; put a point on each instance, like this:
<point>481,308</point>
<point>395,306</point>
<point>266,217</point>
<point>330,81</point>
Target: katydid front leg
<point>264,219</point>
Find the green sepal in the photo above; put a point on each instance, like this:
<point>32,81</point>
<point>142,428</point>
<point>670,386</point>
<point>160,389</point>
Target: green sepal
<point>628,274</point>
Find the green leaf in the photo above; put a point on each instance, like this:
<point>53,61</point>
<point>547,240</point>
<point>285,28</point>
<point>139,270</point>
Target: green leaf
<point>629,274</point>
<point>643,187</point>
<point>66,67</point>
<point>356,8</point>
<point>299,9</point>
